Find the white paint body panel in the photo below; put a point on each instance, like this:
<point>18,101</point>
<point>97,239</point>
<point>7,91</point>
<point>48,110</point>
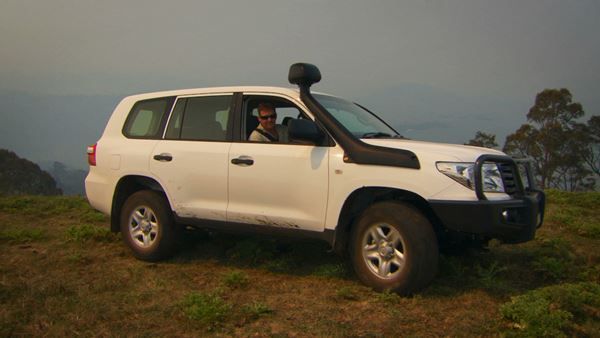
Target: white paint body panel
<point>196,179</point>
<point>286,186</point>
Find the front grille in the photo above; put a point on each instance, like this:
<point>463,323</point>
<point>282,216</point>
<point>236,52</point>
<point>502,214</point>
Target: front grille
<point>509,177</point>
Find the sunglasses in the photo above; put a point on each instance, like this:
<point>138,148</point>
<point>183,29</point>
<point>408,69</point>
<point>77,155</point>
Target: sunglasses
<point>265,117</point>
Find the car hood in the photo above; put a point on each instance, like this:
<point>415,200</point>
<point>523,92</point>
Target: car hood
<point>435,151</point>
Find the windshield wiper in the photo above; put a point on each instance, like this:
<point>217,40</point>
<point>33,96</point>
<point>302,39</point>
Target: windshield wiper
<point>376,135</point>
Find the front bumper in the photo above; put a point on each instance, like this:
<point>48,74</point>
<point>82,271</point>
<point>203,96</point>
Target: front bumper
<point>512,221</point>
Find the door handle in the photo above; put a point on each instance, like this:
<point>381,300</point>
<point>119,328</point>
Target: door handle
<point>242,161</point>
<point>164,157</point>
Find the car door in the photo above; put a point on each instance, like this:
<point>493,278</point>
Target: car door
<point>191,162</point>
<point>277,184</point>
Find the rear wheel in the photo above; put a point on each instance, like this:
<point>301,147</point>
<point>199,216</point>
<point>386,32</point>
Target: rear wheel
<point>394,247</point>
<point>147,226</point>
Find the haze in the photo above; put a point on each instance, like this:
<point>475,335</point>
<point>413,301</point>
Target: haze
<point>436,70</point>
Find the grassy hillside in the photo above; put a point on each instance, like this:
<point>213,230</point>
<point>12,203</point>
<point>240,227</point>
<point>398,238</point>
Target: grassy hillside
<point>63,274</point>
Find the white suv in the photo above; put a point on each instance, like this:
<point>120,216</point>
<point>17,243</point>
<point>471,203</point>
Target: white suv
<point>182,158</point>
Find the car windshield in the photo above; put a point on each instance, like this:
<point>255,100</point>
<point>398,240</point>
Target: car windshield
<point>359,121</point>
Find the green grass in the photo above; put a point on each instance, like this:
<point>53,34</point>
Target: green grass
<point>208,309</point>
<point>22,235</point>
<point>330,270</point>
<point>88,232</point>
<point>388,297</point>
<point>236,279</point>
<point>558,311</point>
<point>44,206</point>
<point>347,293</point>
<point>257,309</point>
<point>251,251</point>
<point>576,211</point>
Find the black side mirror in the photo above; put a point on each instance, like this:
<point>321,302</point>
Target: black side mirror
<point>305,130</point>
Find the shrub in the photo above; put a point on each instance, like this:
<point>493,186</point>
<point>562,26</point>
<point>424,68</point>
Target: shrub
<point>551,267</point>
<point>555,310</point>
<point>489,276</point>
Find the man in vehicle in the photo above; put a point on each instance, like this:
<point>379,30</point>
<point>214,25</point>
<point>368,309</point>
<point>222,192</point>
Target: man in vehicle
<point>268,130</point>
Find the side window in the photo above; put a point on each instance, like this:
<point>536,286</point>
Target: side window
<point>284,114</point>
<point>285,110</point>
<point>147,118</point>
<point>203,118</point>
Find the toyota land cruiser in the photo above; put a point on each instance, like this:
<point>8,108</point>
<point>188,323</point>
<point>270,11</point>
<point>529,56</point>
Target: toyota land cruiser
<point>182,158</point>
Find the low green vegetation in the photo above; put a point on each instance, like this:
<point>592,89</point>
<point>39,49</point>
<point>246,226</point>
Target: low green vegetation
<point>330,270</point>
<point>236,279</point>
<point>388,297</point>
<point>22,235</point>
<point>347,293</point>
<point>88,232</point>
<point>490,275</point>
<point>207,308</point>
<point>43,206</point>
<point>57,282</point>
<point>577,211</point>
<point>251,251</point>
<point>257,309</point>
<point>556,311</point>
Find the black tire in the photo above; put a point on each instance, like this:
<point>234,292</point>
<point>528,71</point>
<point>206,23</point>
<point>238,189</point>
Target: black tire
<point>147,226</point>
<point>393,247</point>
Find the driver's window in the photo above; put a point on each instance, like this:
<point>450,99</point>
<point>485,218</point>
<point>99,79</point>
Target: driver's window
<point>285,111</point>
<point>284,114</point>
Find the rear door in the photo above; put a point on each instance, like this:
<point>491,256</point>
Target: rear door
<point>191,163</point>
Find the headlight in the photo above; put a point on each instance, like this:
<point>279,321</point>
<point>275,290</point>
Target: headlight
<point>463,173</point>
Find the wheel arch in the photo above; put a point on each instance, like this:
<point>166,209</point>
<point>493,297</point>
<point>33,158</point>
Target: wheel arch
<point>360,199</point>
<point>127,186</point>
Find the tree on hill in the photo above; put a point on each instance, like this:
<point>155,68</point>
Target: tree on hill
<point>70,181</point>
<point>483,140</point>
<point>22,177</point>
<point>556,142</point>
<point>591,154</point>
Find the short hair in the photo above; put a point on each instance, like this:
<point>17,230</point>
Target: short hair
<point>265,106</point>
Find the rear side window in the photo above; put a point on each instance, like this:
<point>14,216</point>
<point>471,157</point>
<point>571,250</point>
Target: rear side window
<point>204,118</point>
<point>147,118</point>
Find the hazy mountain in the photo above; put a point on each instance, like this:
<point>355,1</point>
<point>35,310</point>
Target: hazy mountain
<point>19,176</point>
<point>70,181</point>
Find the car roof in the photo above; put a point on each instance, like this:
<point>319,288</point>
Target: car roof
<point>292,92</point>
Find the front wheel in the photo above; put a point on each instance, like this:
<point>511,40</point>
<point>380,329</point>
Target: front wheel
<point>147,226</point>
<point>394,247</point>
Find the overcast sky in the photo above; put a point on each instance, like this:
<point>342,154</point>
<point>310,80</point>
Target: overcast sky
<point>422,64</point>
